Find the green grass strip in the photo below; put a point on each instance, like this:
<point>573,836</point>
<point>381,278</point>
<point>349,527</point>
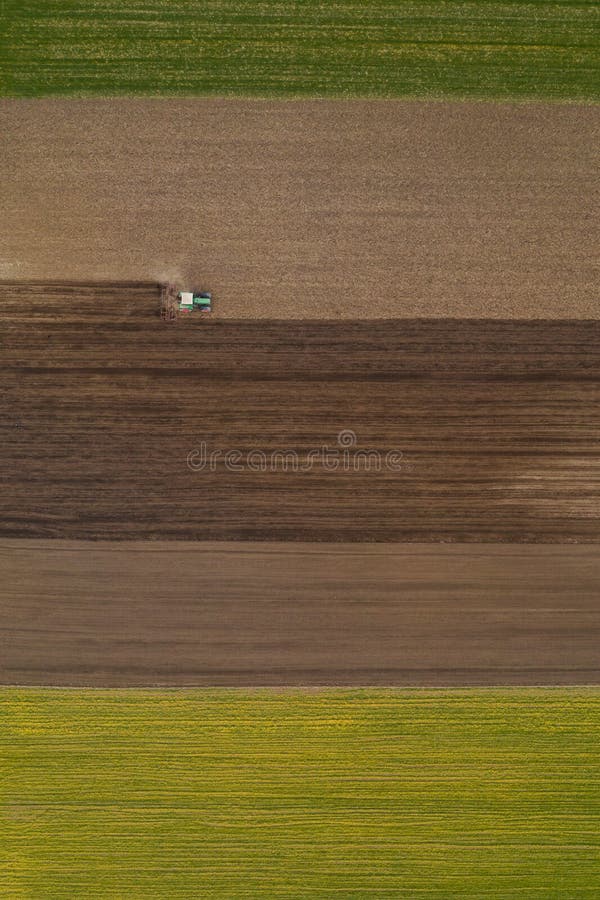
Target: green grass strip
<point>351,794</point>
<point>301,48</point>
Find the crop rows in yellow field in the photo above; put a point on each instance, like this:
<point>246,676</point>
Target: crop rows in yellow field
<point>334,793</point>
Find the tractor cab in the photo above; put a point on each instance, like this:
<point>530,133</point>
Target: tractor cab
<point>192,301</point>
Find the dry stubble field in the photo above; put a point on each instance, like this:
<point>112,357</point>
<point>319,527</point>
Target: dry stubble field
<point>349,209</point>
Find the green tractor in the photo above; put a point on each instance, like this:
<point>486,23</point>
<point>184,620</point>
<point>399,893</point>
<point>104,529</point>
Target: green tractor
<point>173,302</point>
<point>192,301</point>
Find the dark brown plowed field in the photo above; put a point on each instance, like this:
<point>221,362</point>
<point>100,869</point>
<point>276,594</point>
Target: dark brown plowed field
<point>177,613</point>
<point>497,422</point>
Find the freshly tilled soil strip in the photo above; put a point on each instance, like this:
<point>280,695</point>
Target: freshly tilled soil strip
<point>108,414</point>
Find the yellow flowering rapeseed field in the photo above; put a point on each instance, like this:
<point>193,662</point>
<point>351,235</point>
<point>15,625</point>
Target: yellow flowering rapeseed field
<point>332,793</point>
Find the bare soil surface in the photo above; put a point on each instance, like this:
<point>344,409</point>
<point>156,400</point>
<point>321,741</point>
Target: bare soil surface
<point>494,426</point>
<point>179,613</point>
<point>294,209</point>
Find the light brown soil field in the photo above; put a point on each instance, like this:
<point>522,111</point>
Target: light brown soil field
<point>498,424</point>
<point>292,614</point>
<point>351,209</point>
